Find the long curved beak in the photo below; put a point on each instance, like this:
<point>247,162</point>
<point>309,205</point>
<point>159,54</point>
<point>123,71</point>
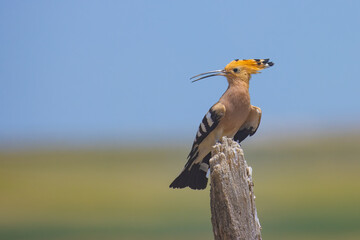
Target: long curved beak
<point>208,74</point>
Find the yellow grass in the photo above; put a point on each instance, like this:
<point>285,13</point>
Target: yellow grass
<point>304,189</point>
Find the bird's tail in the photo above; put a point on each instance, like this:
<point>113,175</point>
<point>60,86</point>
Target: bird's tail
<point>255,65</point>
<point>193,176</point>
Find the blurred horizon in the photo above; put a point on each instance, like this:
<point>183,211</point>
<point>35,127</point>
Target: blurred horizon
<point>262,137</point>
<point>266,138</point>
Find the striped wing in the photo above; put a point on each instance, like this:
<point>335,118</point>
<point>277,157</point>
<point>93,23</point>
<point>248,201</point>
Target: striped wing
<point>207,125</point>
<point>250,126</point>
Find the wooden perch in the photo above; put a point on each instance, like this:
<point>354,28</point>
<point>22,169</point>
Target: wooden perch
<point>232,200</point>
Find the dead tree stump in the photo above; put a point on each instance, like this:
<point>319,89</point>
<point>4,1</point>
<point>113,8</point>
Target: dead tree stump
<point>232,200</point>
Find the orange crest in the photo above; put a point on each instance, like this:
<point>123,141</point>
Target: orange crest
<point>252,66</point>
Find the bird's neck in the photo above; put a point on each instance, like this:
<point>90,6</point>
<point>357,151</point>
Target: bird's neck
<point>237,92</point>
<point>239,84</point>
<point>241,81</point>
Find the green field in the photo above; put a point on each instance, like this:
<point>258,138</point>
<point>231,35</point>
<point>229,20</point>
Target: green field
<point>305,189</point>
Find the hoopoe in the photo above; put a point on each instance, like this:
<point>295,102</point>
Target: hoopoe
<point>232,116</point>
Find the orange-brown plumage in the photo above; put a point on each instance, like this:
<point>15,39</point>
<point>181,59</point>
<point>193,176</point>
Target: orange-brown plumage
<point>232,116</point>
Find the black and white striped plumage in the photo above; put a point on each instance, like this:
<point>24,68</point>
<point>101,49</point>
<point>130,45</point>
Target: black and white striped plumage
<point>197,166</point>
<point>207,125</point>
<point>195,170</point>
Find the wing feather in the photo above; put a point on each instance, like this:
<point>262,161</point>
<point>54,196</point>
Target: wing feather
<point>250,126</point>
<point>207,125</point>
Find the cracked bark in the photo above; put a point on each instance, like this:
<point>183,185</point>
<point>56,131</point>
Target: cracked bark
<point>232,199</point>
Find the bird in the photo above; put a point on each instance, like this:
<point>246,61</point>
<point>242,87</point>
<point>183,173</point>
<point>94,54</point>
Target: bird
<point>232,116</point>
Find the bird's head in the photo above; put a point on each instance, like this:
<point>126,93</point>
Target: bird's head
<point>237,70</point>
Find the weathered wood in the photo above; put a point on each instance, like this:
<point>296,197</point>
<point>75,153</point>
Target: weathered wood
<point>232,200</point>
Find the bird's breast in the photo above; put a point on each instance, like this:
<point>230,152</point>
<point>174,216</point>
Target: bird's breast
<point>238,107</point>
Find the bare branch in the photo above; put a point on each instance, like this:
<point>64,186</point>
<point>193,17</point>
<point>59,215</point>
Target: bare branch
<point>232,198</point>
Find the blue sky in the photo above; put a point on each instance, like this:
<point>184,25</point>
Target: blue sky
<point>98,69</point>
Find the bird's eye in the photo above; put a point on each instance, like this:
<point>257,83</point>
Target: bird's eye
<point>235,70</point>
